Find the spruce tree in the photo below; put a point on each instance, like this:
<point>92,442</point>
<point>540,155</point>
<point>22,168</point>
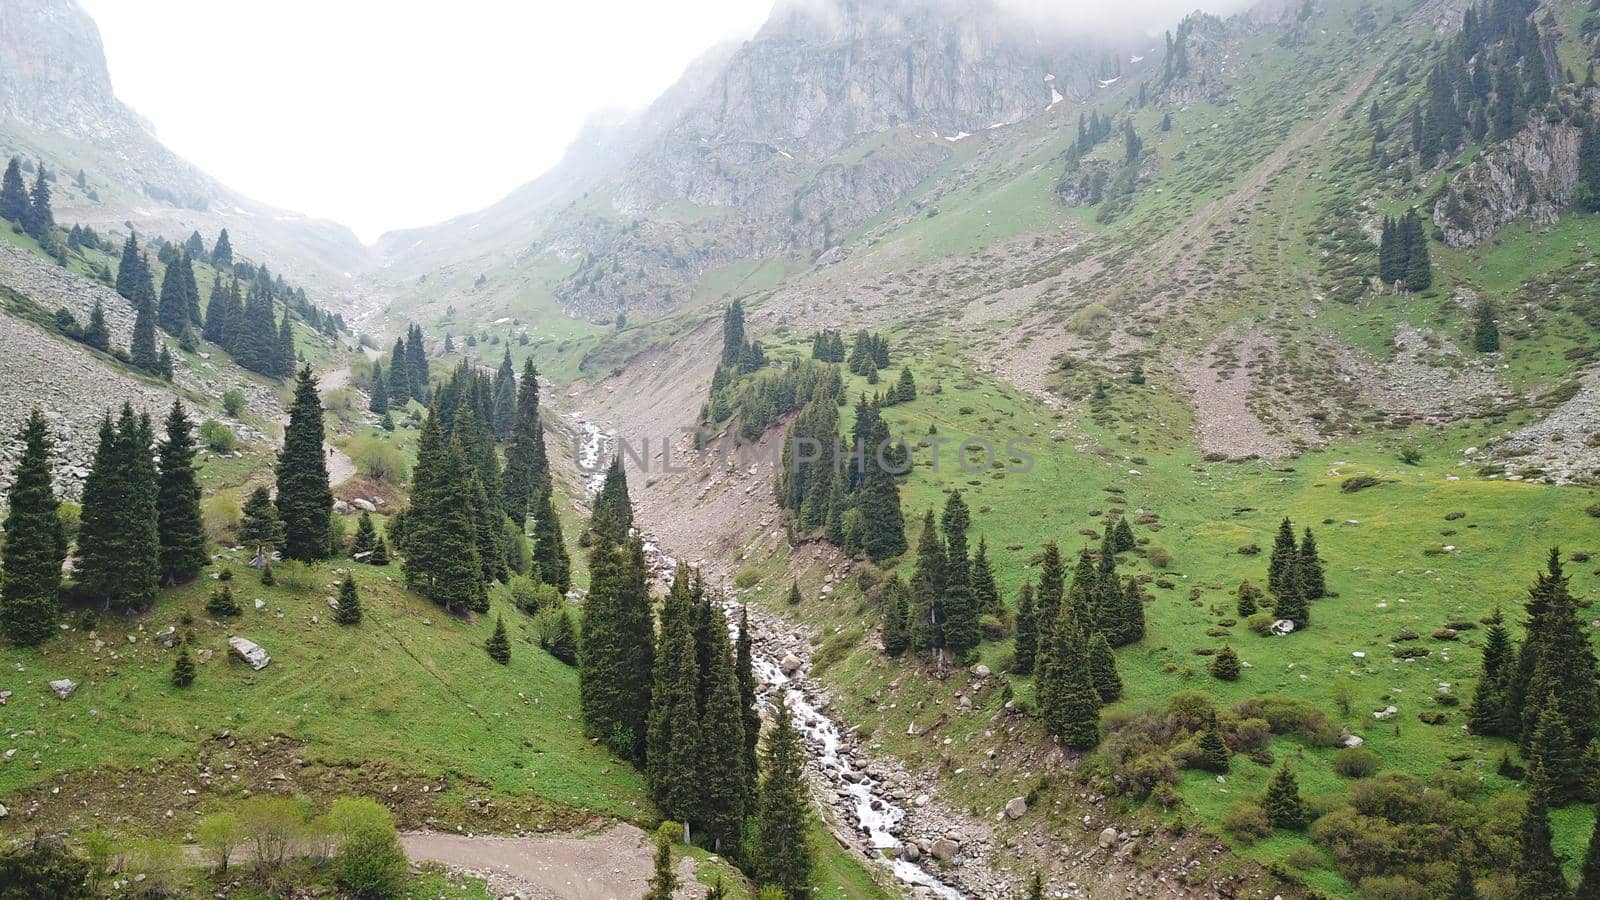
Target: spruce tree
<point>663,878</point>
<point>349,611</point>
<point>1285,558</point>
<point>1464,888</point>
<point>781,854</point>
<point>549,548</point>
<point>1485,329</point>
<point>366,539</point>
<point>744,669</point>
<point>1556,656</point>
<point>259,528</point>
<point>906,388</point>
<point>926,625</point>
<point>616,657</point>
<point>222,604</point>
<point>440,538</point>
<point>896,603</point>
<point>378,404</point>
<point>143,349</point>
<point>1537,870</point>
<point>1292,603</point>
<point>398,377</point>
<point>1051,590</point>
<point>417,364</point>
<point>720,776</point>
<point>1103,668</point>
<point>97,333</point>
<point>526,463</point>
<point>1027,642</point>
<point>1225,665</point>
<point>119,545</point>
<point>1214,755</point>
<point>1312,580</point>
<point>13,193</point>
<point>1486,716</point>
<point>183,669</point>
<point>1282,803</point>
<point>1069,701</point>
<point>305,502</point>
<point>172,309</point>
<point>672,734</point>
<point>1553,752</point>
<point>222,253</point>
<point>499,645</point>
<point>879,499</point>
<point>505,398</point>
<point>613,502</point>
<point>35,544</point>
<point>179,522</point>
<point>962,629</point>
<point>984,589</point>
<point>38,220</point>
<point>1419,269</point>
<point>1248,597</point>
<point>1122,539</point>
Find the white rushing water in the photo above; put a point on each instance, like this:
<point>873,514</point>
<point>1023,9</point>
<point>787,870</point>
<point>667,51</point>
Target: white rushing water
<point>856,793</point>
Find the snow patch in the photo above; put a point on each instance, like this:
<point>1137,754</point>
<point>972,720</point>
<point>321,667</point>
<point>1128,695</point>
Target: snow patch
<point>1049,77</point>
<point>1055,97</point>
<point>958,136</point>
<point>1135,59</point>
<point>1109,83</point>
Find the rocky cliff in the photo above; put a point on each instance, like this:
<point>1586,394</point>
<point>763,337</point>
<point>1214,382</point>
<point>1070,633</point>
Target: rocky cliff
<point>1530,176</point>
<point>57,104</point>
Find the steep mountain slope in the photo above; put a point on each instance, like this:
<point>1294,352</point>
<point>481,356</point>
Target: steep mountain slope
<point>57,105</point>
<point>1202,349</point>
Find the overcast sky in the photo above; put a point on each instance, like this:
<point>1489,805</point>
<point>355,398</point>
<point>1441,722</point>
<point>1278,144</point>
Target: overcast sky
<point>382,114</point>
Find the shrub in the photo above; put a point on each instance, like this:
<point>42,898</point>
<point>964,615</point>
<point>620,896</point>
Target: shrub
<point>1392,887</point>
<point>219,834</point>
<point>370,863</point>
<point>272,825</point>
<point>1356,762</point>
<point>44,867</point>
<point>1260,623</point>
<point>1160,557</point>
<point>1249,735</point>
<point>296,576</point>
<point>1247,822</point>
<point>233,402</point>
<point>377,460</point>
<point>1284,715</point>
<point>221,515</point>
<point>1359,483</point>
<point>1304,858</point>
<point>531,596</point>
<point>218,437</point>
<point>747,578</point>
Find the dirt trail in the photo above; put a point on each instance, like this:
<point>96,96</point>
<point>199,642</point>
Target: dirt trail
<point>614,864</point>
<point>340,466</point>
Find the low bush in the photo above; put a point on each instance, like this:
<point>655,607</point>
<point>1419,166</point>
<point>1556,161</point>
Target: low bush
<point>1356,762</point>
<point>1247,822</point>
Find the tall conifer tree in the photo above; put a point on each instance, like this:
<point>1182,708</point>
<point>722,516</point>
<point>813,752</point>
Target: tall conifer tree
<point>305,501</point>
<point>179,522</point>
<point>35,544</point>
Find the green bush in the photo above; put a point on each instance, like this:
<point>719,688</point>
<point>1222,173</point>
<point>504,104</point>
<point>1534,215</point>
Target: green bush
<point>233,402</point>
<point>43,867</point>
<point>378,460</point>
<point>1247,822</point>
<point>1356,762</point>
<point>218,437</point>
<point>370,863</point>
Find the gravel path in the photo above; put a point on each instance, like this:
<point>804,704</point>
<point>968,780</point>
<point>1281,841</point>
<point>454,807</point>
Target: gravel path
<point>614,864</point>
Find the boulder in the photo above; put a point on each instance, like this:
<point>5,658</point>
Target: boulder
<point>944,849</point>
<point>1351,740</point>
<point>63,687</point>
<point>911,852</point>
<point>249,651</point>
<point>980,670</point>
<point>168,636</point>
<point>1016,808</point>
<point>790,664</point>
<point>1108,838</point>
<point>364,505</point>
<point>1282,627</point>
<point>341,507</point>
<point>1387,712</point>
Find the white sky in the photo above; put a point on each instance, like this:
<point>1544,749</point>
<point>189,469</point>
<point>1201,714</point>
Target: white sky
<point>385,114</point>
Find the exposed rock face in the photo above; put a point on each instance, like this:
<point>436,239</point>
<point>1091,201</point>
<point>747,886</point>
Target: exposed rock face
<point>249,651</point>
<point>1531,176</point>
<point>56,103</point>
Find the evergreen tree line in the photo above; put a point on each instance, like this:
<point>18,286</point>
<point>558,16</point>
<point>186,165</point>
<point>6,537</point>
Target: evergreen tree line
<point>1403,253</point>
<point>827,345</point>
<point>28,208</point>
<point>464,528</point>
<point>951,599</point>
<point>1295,577</point>
<point>763,399</point>
<point>849,493</point>
<point>1175,64</point>
<point>407,375</point>
<point>140,524</point>
<point>869,354</point>
<point>1543,693</point>
<point>681,703</point>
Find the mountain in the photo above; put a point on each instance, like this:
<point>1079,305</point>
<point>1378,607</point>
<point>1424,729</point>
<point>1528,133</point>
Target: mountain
<point>57,105</point>
<point>776,147</point>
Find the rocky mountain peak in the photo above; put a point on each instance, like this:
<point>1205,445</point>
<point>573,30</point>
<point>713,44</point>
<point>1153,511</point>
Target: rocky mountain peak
<point>53,74</point>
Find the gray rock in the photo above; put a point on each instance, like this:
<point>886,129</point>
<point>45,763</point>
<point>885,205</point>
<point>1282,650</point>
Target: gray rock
<point>249,651</point>
<point>790,664</point>
<point>1108,838</point>
<point>168,636</point>
<point>63,687</point>
<point>364,504</point>
<point>1016,808</point>
<point>944,849</point>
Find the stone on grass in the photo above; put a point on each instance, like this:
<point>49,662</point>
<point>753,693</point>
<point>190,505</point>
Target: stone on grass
<point>63,687</point>
<point>249,651</point>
